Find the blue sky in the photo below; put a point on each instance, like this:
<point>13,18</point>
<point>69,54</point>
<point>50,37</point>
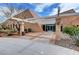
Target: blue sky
<point>42,9</point>
<point>45,8</point>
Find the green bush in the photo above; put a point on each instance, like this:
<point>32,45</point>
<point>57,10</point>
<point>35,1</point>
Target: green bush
<point>73,31</point>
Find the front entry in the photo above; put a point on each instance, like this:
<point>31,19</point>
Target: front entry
<point>48,27</point>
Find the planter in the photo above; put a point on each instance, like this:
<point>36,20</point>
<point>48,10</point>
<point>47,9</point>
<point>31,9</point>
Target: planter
<point>13,34</point>
<point>2,34</point>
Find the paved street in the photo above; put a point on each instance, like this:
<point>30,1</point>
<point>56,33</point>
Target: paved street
<point>29,45</point>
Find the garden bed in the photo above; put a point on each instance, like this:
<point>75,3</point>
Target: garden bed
<point>7,33</point>
<point>68,44</point>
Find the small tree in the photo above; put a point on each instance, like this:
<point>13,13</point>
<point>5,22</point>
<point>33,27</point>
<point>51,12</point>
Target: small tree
<point>12,10</point>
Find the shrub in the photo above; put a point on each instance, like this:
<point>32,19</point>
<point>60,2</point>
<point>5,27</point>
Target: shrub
<point>76,38</point>
<point>73,31</point>
<point>7,31</point>
<point>29,30</point>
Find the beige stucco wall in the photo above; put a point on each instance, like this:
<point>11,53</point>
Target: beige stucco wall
<point>34,26</point>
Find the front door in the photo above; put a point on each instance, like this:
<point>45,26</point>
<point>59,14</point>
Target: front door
<point>49,27</point>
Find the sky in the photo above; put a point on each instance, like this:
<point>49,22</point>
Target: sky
<point>41,9</point>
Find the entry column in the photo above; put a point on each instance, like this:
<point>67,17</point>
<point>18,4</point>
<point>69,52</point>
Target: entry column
<point>22,28</point>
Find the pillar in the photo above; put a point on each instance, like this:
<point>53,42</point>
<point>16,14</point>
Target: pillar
<point>22,28</point>
<point>56,35</point>
<point>58,28</point>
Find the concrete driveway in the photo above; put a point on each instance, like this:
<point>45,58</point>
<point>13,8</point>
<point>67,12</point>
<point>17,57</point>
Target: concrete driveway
<point>24,46</point>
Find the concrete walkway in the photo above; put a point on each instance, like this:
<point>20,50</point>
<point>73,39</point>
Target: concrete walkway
<point>24,46</point>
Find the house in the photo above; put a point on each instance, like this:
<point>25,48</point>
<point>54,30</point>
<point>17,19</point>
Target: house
<point>35,27</point>
<point>69,17</point>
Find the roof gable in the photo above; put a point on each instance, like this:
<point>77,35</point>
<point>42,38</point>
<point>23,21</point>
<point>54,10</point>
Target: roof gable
<point>26,14</point>
<point>68,11</point>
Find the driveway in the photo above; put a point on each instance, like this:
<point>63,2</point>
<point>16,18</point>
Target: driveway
<point>24,46</point>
